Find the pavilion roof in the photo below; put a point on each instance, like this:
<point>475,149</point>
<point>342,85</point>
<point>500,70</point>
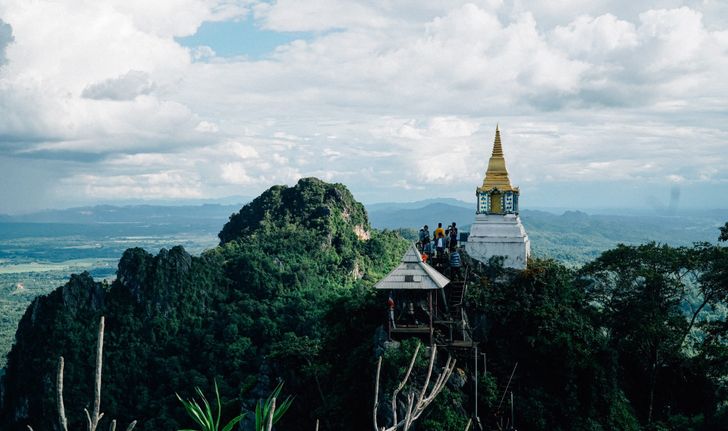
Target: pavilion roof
<point>412,274</point>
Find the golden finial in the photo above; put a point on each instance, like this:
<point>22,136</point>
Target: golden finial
<point>497,174</point>
<point>497,148</point>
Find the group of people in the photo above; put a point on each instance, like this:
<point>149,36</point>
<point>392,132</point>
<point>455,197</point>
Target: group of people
<point>441,240</point>
<point>442,251</point>
<point>441,245</point>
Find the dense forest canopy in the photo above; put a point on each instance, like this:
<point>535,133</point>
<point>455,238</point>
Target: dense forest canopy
<point>636,339</point>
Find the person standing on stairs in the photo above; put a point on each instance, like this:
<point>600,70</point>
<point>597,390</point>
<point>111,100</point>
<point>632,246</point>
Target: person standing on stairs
<point>455,264</point>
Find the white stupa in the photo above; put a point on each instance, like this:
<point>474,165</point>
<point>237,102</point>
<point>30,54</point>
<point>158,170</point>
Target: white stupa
<point>497,229</point>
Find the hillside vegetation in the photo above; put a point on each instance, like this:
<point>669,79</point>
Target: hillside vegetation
<point>285,298</point>
<point>636,339</point>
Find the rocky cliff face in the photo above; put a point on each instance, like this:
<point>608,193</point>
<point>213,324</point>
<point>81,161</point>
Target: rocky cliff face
<point>28,387</point>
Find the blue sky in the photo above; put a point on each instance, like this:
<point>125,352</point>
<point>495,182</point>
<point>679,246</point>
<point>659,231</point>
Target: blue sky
<point>600,103</point>
<point>239,38</point>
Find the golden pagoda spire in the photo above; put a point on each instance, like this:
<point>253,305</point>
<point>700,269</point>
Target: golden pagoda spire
<point>497,174</point>
<point>497,148</point>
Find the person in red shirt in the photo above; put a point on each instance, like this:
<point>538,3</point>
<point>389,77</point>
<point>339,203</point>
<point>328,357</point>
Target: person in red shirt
<point>390,306</point>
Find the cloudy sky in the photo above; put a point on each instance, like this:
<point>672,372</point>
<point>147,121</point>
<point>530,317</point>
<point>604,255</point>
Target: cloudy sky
<point>600,103</point>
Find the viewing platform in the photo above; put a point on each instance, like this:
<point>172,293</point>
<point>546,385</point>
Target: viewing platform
<point>424,303</point>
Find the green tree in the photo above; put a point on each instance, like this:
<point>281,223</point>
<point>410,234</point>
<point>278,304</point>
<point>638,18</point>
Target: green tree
<point>638,291</point>
<point>540,318</point>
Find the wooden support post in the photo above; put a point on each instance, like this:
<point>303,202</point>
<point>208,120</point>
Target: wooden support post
<point>435,307</point>
<point>513,419</point>
<point>476,382</point>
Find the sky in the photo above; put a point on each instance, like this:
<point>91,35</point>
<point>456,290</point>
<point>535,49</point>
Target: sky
<point>600,104</point>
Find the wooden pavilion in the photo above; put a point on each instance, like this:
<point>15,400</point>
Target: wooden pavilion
<point>424,303</point>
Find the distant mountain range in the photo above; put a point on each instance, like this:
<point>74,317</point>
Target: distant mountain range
<point>394,206</point>
<point>412,216</point>
<point>572,236</point>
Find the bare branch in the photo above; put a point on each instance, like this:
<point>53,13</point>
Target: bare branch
<point>59,396</point>
<point>94,419</point>
<point>402,383</point>
<point>436,389</point>
<point>417,400</point>
<point>408,414</point>
<point>89,422</point>
<point>429,374</point>
<point>376,396</point>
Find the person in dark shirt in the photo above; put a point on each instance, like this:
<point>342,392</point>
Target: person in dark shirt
<point>452,233</point>
<point>426,241</point>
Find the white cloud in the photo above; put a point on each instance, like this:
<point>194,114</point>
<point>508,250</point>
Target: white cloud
<point>143,160</point>
<point>64,56</point>
<point>202,52</point>
<point>438,127</point>
<point>317,15</point>
<point>588,37</point>
<point>235,173</point>
<point>235,149</point>
<point>207,127</point>
<point>676,36</point>
<point>160,185</point>
<point>395,99</point>
<point>165,18</point>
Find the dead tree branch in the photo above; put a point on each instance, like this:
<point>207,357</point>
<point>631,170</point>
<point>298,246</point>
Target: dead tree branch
<point>59,396</point>
<point>92,419</point>
<point>417,400</point>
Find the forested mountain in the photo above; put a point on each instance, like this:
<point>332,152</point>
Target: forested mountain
<point>284,296</point>
<point>636,339</point>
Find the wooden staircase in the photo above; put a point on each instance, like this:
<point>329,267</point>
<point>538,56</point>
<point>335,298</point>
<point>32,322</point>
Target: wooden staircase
<point>456,291</point>
<point>458,325</point>
<point>457,294</point>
